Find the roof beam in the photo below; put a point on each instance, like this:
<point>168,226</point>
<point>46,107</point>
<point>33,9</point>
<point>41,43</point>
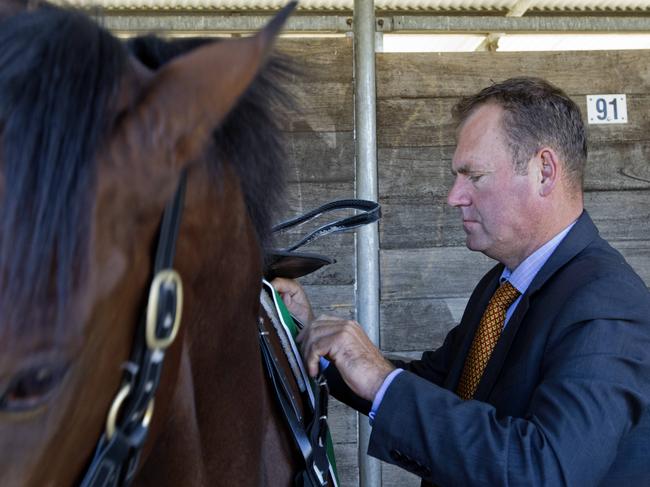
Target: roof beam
<point>198,24</point>
<point>480,24</point>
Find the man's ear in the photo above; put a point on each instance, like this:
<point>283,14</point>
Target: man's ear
<point>181,104</point>
<point>548,170</point>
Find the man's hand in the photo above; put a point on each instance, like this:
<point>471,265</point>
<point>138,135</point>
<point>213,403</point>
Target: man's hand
<point>295,299</point>
<point>344,343</point>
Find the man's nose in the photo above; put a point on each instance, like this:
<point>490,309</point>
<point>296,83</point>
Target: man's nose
<point>457,194</point>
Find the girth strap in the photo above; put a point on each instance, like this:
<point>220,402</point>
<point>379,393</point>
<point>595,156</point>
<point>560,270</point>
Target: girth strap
<point>316,462</point>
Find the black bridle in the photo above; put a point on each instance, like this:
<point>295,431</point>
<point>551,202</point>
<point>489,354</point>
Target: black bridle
<point>118,451</point>
<point>127,424</point>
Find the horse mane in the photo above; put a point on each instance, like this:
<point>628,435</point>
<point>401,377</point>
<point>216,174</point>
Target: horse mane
<point>59,76</point>
<point>250,137</point>
<point>59,79</point>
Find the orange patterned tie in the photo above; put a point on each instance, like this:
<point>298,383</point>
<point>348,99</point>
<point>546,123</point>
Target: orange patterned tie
<point>487,335</point>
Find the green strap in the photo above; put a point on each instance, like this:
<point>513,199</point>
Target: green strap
<point>291,325</point>
<point>286,316</point>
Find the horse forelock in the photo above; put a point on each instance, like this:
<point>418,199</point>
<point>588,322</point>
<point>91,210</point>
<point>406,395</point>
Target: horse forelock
<point>250,137</point>
<point>59,73</point>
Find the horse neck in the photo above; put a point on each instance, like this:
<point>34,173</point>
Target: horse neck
<point>218,419</point>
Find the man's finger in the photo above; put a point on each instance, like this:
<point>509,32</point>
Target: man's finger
<point>322,346</point>
<point>308,336</point>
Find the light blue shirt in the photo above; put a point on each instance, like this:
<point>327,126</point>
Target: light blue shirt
<point>520,278</point>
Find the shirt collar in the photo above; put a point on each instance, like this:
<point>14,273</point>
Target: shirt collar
<point>525,272</point>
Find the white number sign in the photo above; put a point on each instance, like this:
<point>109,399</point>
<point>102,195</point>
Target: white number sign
<point>606,109</point>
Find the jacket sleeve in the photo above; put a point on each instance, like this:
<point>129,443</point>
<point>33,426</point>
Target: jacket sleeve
<point>340,390</point>
<point>594,387</point>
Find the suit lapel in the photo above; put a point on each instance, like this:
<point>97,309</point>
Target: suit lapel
<point>581,235</point>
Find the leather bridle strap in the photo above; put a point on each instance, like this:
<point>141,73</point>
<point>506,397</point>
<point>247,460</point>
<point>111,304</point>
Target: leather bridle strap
<point>118,450</point>
<point>370,212</point>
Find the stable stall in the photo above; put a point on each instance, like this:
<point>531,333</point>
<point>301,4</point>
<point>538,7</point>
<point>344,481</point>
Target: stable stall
<point>377,125</point>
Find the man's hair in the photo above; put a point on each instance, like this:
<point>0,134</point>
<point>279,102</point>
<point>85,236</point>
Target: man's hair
<point>536,114</point>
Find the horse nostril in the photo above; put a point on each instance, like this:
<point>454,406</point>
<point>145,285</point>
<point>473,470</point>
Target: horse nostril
<point>31,388</point>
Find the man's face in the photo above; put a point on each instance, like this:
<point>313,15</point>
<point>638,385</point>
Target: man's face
<point>497,204</point>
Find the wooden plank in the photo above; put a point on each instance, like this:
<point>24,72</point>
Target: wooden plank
<point>422,122</point>
<point>457,74</point>
<point>427,223</point>
<point>415,172</point>
<point>332,300</point>
<point>321,85</point>
<point>415,122</point>
<point>325,295</point>
<point>410,324</point>
<point>616,166</point>
<point>450,272</point>
<point>430,222</point>
<point>347,463</point>
<point>425,172</point>
<point>620,215</point>
<point>392,476</point>
<point>324,106</point>
<point>342,421</point>
<point>303,196</point>
<point>453,272</point>
<point>317,60</point>
<point>320,156</point>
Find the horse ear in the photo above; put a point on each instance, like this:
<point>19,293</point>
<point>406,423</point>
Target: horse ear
<point>186,99</point>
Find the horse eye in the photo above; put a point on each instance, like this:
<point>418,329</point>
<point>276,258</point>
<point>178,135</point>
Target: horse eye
<point>31,388</point>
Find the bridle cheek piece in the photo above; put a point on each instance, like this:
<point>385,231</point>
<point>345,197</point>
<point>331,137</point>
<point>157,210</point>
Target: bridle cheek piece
<point>118,451</point>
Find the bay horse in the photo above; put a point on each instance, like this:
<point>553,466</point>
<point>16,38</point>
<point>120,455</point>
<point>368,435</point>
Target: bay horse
<point>93,143</point>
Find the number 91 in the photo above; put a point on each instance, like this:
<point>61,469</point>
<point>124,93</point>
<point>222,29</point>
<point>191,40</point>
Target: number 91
<point>602,109</point>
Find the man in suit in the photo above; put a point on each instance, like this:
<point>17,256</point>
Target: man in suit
<point>546,380</point>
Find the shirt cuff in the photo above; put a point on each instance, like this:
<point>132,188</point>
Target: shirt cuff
<point>380,394</point>
<point>324,363</point>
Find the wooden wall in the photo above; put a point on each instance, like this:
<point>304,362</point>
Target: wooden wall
<point>427,273</point>
<point>321,169</point>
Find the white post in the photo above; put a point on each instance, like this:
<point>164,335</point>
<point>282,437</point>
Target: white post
<point>367,281</point>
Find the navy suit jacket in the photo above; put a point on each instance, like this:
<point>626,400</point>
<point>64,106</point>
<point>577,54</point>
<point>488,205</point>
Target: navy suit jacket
<point>564,399</point>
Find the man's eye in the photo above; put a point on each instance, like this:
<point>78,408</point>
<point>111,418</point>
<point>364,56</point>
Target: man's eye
<point>475,177</point>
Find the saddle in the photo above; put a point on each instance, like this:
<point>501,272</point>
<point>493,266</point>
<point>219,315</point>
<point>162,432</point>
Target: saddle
<point>310,431</point>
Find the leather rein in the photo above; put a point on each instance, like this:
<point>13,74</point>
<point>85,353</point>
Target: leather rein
<point>118,450</point>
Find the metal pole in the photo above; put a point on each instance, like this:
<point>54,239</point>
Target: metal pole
<point>365,126</point>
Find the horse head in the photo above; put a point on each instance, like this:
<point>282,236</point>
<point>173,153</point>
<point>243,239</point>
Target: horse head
<point>93,144</point>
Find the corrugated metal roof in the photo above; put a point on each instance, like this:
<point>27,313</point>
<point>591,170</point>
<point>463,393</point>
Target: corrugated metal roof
<point>381,5</point>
